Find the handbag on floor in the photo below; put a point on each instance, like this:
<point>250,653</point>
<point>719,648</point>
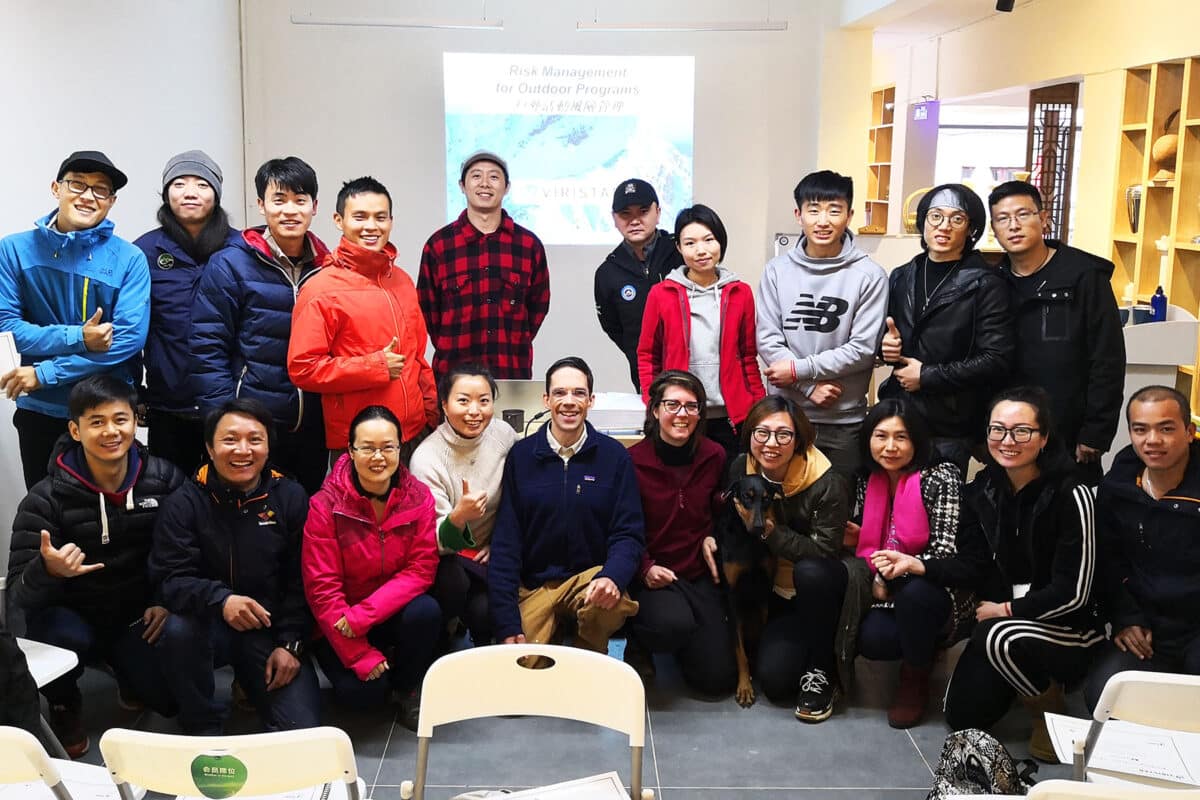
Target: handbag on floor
<point>975,762</point>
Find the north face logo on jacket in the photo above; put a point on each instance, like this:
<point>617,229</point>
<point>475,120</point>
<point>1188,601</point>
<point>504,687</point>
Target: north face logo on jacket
<point>822,316</point>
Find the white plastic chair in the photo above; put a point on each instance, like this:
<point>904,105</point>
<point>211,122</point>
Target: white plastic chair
<point>24,760</point>
<point>1075,790</point>
<point>47,662</point>
<point>579,685</point>
<point>274,762</point>
<point>1158,699</point>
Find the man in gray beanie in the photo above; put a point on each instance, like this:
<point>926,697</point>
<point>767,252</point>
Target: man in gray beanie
<point>193,228</point>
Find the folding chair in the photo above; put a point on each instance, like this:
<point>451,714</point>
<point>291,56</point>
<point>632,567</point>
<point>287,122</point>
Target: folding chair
<point>47,662</point>
<point>24,760</point>
<point>1158,699</point>
<point>232,766</point>
<point>1075,790</point>
<point>578,684</point>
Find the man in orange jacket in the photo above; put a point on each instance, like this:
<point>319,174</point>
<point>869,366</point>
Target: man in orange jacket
<point>358,337</point>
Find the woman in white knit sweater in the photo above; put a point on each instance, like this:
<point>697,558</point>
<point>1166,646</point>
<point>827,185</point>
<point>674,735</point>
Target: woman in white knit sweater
<point>462,462</point>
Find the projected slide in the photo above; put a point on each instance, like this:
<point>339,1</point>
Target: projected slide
<point>571,129</point>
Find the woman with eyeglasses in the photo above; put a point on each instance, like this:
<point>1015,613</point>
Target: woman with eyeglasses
<point>1027,547</point>
<point>462,463</point>
<point>700,318</point>
<point>803,530</point>
<point>949,334</point>
<point>682,606</point>
<point>368,561</point>
<point>903,502</point>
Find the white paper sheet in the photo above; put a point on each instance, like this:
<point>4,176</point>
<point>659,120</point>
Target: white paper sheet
<point>1132,749</point>
<point>10,359</point>
<point>606,786</point>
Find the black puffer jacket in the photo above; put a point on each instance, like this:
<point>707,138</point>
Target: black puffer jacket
<point>113,528</point>
<point>211,541</point>
<point>964,340</point>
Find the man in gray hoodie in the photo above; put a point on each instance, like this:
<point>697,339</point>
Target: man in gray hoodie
<point>821,310</point>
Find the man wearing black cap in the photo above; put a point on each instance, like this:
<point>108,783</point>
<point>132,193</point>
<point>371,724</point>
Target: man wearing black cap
<point>484,285</point>
<point>642,259</point>
<point>76,299</point>
<point>949,332</point>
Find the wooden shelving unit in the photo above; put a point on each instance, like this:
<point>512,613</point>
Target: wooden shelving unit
<point>879,159</point>
<point>1156,94</point>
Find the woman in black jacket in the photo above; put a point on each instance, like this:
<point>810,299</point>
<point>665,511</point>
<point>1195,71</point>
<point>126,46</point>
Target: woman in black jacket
<point>1026,545</point>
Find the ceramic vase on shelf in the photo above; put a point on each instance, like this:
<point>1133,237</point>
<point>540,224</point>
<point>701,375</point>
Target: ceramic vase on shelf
<point>1164,150</point>
<point>1133,205</point>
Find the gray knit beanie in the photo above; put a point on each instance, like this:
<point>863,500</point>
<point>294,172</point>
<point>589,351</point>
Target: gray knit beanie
<point>193,162</point>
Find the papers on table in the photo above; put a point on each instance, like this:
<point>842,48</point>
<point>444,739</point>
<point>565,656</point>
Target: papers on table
<point>598,787</point>
<point>85,782</point>
<point>1131,749</point>
<point>326,791</point>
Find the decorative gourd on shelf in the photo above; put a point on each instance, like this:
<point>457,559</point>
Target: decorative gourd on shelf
<point>1164,150</point>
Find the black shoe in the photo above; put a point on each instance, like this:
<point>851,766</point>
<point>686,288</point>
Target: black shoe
<point>67,724</point>
<point>817,696</point>
<point>410,710</point>
<point>637,656</point>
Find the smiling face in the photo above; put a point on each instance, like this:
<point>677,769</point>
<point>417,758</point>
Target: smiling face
<point>239,450</point>
<point>366,220</point>
<point>824,222</point>
<point>484,186</point>
<point>1159,435</point>
<point>568,400</point>
<point>700,250</point>
<point>891,447</point>
<point>676,428</point>
<point>637,224</point>
<point>191,199</point>
<point>106,432</point>
<point>1020,420</point>
<point>375,453</point>
<point>468,407</point>
<point>77,212</point>
<point>772,457</point>
<point>1017,223</point>
<point>948,238</point>
<point>289,215</point>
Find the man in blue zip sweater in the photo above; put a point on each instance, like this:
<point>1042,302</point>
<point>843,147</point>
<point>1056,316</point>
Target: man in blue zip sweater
<point>569,534</point>
<point>59,290</point>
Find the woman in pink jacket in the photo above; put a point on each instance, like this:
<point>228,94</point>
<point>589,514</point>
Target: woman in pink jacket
<point>369,558</point>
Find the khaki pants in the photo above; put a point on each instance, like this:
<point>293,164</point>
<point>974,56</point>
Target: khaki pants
<point>543,608</point>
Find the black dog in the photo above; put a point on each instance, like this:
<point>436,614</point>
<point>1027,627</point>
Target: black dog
<point>749,568</point>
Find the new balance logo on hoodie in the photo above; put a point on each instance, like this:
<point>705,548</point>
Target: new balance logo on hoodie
<point>822,316</point>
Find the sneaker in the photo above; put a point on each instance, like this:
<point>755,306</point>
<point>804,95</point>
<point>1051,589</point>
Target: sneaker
<point>67,724</point>
<point>637,656</point>
<point>410,710</point>
<point>816,698</point>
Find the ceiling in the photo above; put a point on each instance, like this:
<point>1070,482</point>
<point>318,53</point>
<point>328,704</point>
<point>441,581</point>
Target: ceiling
<point>914,20</point>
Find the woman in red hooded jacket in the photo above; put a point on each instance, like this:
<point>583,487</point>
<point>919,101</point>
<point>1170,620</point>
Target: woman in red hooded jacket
<point>369,557</point>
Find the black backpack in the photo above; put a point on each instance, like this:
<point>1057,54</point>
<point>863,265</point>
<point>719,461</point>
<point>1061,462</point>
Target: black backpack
<point>974,762</point>
<point>20,705</point>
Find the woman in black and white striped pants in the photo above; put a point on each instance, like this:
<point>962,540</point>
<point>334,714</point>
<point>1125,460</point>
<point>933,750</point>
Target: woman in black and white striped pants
<point>1027,547</point>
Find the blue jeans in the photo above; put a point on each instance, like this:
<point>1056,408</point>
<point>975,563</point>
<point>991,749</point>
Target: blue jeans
<point>193,647</point>
<point>407,638</point>
<point>137,664</point>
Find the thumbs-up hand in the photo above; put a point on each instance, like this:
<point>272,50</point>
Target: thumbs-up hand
<point>395,361</point>
<point>97,335</point>
<point>892,343</point>
<point>65,561</point>
<point>470,507</point>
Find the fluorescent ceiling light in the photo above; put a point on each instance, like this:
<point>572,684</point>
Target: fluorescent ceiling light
<point>399,22</point>
<point>681,27</point>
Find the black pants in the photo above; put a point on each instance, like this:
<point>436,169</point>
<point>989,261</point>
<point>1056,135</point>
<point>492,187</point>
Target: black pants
<point>910,630</point>
<point>177,438</point>
<point>689,619</point>
<point>460,588</point>
<point>1008,656</point>
<point>1181,654</point>
<point>800,634</point>
<point>36,435</point>
<point>721,431</point>
<point>839,443</point>
<point>956,450</point>
<point>302,454</point>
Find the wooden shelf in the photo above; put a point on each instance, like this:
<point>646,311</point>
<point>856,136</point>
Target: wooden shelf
<point>1134,126</point>
<point>879,157</point>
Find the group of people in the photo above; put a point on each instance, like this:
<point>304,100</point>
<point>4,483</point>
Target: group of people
<point>236,537</point>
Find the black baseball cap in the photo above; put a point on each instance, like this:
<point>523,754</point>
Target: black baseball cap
<point>93,161</point>
<point>633,192</point>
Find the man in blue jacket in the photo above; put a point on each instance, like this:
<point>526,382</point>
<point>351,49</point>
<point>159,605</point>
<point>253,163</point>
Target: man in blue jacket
<point>242,319</point>
<point>76,299</point>
<point>569,534</point>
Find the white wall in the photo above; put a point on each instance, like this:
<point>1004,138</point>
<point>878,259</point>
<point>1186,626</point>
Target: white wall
<point>139,80</point>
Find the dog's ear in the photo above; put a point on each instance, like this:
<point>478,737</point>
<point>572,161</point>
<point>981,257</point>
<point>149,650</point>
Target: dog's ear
<point>730,490</point>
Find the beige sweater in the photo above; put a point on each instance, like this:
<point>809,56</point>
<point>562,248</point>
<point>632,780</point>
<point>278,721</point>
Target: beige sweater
<point>445,458</point>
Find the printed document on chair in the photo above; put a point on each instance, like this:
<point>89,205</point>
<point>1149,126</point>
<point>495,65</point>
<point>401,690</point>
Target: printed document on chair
<point>1131,749</point>
<point>598,787</point>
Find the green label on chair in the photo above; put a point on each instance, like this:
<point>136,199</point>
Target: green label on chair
<point>218,776</point>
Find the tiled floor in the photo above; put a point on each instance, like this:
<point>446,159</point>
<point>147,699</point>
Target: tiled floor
<point>696,748</point>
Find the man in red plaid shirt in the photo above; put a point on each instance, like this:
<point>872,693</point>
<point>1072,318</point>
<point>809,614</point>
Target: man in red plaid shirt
<point>484,286</point>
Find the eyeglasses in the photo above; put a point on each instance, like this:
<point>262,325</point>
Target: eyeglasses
<point>672,407</point>
<point>783,437</point>
<point>101,193</point>
<point>935,218</point>
<point>578,394</point>
<point>1020,433</point>
<point>1022,217</point>
<point>388,451</point>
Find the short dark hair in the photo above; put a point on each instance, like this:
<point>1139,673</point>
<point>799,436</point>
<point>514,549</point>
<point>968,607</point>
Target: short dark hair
<point>574,362</point>
<point>665,380</point>
<point>965,195</point>
<point>914,423</point>
<point>1054,455</point>
<point>96,390</point>
<point>374,412</point>
<point>824,186</point>
<point>705,216</point>
<point>467,369</point>
<point>1015,189</point>
<point>243,406</point>
<point>364,185</point>
<point>1157,393</point>
<point>774,404</point>
<point>289,173</point>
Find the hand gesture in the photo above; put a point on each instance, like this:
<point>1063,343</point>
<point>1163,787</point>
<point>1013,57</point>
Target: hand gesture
<point>22,380</point>
<point>470,507</point>
<point>395,361</point>
<point>244,613</point>
<point>154,618</point>
<point>708,549</point>
<point>603,593</point>
<point>909,374</point>
<point>343,627</point>
<point>97,335</point>
<point>517,639</point>
<point>379,669</point>
<point>657,577</point>
<point>779,373</point>
<point>989,610</point>
<point>65,561</point>
<point>1086,455</point>
<point>892,564</point>
<point>1135,639</point>
<point>484,555</point>
<point>892,343</point>
<point>826,393</point>
<point>282,668</point>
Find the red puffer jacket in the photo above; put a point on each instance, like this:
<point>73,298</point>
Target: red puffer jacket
<point>363,570</point>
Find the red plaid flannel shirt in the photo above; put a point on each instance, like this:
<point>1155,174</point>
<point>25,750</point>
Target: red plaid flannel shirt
<point>484,296</point>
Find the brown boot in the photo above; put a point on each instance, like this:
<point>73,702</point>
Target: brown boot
<point>1050,701</point>
<point>912,696</point>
